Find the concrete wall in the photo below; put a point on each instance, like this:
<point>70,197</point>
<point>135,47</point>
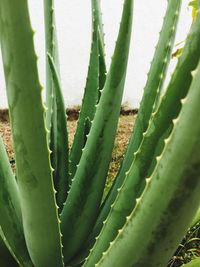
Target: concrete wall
<point>74,34</point>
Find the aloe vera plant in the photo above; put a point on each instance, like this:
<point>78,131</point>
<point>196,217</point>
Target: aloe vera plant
<point>52,213</point>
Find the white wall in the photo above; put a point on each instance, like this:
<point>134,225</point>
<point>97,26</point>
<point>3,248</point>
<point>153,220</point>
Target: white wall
<point>74,34</point>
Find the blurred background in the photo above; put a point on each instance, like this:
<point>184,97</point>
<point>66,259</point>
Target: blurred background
<point>73,19</point>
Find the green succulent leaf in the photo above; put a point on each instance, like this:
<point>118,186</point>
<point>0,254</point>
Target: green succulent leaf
<point>153,86</point>
<point>94,84</point>
<point>37,198</point>
<point>152,145</point>
<point>193,263</point>
<point>55,114</point>
<point>196,218</point>
<point>193,4</point>
<point>51,47</point>
<point>152,89</point>
<point>10,219</point>
<point>165,209</point>
<point>83,201</point>
<point>61,173</point>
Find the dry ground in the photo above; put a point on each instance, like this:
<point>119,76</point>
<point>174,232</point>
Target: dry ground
<point>124,130</point>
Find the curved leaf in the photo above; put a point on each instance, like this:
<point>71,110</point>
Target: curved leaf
<point>83,200</point>
<point>39,212</point>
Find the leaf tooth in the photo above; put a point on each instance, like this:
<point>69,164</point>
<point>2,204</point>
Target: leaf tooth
<point>165,60</point>
<point>54,190</point>
<point>53,44</point>
<point>119,232</point>
<point>148,182</point>
<point>33,31</point>
<point>51,168</point>
<point>144,134</point>
<point>45,107</point>
<point>158,158</point>
<point>176,13</point>
<point>167,140</point>
<point>119,189</point>
<point>52,8</point>
<point>169,44</point>
<point>137,201</point>
<point>154,113</point>
<point>112,242</point>
<point>90,251</point>
<point>161,76</point>
<point>127,219</point>
<point>175,121</point>
<point>173,28</point>
<point>193,73</point>
<point>77,165</point>
<point>104,253</point>
<point>126,173</point>
<point>183,100</point>
<point>104,222</point>
<point>136,153</point>
<point>148,179</point>
<point>112,205</point>
<point>57,208</point>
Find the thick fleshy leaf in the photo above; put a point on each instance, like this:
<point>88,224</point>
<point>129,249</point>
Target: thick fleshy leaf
<point>61,173</point>
<point>95,82</point>
<point>37,198</point>
<point>10,219</point>
<point>152,89</point>
<point>83,200</point>
<point>171,197</point>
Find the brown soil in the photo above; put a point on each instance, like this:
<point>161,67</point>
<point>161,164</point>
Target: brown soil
<point>73,113</point>
<point>124,130</point>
